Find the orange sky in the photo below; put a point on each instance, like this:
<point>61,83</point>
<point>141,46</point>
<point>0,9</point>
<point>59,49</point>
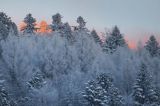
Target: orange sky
<point>42,27</point>
<point>132,42</point>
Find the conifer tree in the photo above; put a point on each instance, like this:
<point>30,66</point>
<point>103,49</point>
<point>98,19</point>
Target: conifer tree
<point>4,98</point>
<point>30,24</point>
<point>37,81</point>
<point>3,31</point>
<point>67,33</point>
<point>109,94</point>
<point>5,20</point>
<point>95,94</point>
<point>113,94</point>
<point>104,81</point>
<point>143,89</point>
<point>81,23</point>
<point>6,25</point>
<point>152,46</point>
<point>96,37</point>
<point>57,22</point>
<point>114,40</point>
<point>115,99</point>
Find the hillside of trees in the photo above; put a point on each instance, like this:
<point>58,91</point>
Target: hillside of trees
<point>72,66</point>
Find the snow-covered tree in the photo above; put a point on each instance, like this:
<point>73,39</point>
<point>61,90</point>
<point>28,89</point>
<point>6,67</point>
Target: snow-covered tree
<point>5,20</point>
<point>14,28</point>
<point>115,98</point>
<point>114,40</point>
<point>5,25</point>
<point>37,81</point>
<point>67,33</point>
<point>152,46</point>
<point>96,37</point>
<point>81,22</point>
<point>57,22</point>
<point>4,98</point>
<point>143,92</point>
<point>3,31</point>
<point>95,94</point>
<point>113,94</point>
<point>104,81</point>
<point>85,48</point>
<point>48,70</point>
<point>29,27</point>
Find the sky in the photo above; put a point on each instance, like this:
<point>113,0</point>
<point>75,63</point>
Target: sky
<point>137,19</point>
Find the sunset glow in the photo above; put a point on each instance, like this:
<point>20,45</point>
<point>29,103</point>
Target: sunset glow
<point>132,44</point>
<point>43,27</point>
<point>21,25</point>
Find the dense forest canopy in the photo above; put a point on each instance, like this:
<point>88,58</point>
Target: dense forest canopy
<point>72,66</point>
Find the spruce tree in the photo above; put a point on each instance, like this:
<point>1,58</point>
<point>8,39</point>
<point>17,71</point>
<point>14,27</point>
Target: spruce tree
<point>4,97</point>
<point>104,81</point>
<point>103,90</point>
<point>152,46</point>
<point>3,31</point>
<point>5,20</point>
<point>14,28</point>
<point>67,33</point>
<point>95,94</point>
<point>81,23</point>
<point>113,94</point>
<point>143,92</point>
<point>57,22</point>
<point>96,37</point>
<point>6,25</point>
<point>114,40</point>
<point>30,24</point>
<point>115,99</point>
<point>157,90</point>
<point>37,81</point>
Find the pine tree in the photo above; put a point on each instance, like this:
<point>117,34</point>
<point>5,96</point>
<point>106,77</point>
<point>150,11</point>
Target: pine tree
<point>157,90</point>
<point>109,94</point>
<point>115,99</point>
<point>143,90</point>
<point>104,81</point>
<point>96,37</point>
<point>114,41</point>
<point>113,94</point>
<point>95,94</point>
<point>67,33</point>
<point>5,20</point>
<point>152,46</point>
<point>3,31</point>
<point>14,28</point>
<point>81,23</point>
<point>57,22</point>
<point>4,98</point>
<point>30,24</point>
<point>5,25</point>
<point>37,81</point>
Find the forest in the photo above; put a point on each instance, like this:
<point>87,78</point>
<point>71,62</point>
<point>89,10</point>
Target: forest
<point>73,66</point>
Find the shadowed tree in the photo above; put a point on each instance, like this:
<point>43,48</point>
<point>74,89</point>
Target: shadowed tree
<point>114,41</point>
<point>56,22</point>
<point>152,46</point>
<point>96,37</point>
<point>6,25</point>
<point>81,22</point>
<point>29,28</point>
<point>143,92</point>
